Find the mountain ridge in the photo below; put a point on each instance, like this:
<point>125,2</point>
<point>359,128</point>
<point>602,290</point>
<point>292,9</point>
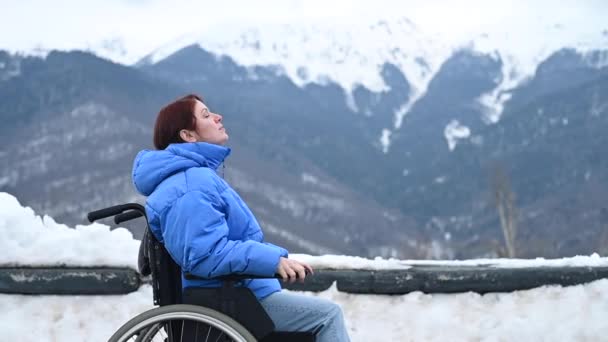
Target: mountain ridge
<point>422,198</point>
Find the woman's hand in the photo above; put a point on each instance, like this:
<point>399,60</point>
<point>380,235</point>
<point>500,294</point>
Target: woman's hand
<point>290,270</point>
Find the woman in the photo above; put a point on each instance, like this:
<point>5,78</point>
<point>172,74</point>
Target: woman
<point>208,229</point>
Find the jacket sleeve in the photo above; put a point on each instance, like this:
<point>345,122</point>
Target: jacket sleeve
<point>196,235</point>
<point>284,252</point>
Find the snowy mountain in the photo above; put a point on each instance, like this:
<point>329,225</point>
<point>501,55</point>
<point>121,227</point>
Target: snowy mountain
<point>354,55</point>
<point>87,118</point>
<point>373,139</point>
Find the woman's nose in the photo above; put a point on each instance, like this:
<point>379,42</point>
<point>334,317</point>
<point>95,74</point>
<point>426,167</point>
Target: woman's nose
<point>218,117</point>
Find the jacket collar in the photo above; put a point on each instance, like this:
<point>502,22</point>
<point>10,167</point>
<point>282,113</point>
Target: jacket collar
<point>150,168</point>
<point>204,154</point>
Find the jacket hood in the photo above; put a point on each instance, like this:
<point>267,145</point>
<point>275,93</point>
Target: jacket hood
<point>151,167</point>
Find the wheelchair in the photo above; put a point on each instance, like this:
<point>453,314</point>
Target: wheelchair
<point>227,313</point>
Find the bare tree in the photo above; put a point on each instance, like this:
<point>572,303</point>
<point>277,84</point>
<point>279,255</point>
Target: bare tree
<point>603,239</point>
<point>505,203</point>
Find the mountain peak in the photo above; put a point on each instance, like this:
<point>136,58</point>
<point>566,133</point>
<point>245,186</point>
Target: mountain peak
<point>353,55</point>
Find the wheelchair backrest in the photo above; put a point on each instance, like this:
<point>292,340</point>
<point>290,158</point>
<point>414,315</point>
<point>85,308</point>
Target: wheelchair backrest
<point>166,274</point>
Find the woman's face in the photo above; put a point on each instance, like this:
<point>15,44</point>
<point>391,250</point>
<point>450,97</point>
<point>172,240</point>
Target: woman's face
<point>208,127</point>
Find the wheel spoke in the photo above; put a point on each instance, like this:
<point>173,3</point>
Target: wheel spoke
<point>208,333</point>
<point>196,332</point>
<point>182,323</point>
<point>188,332</point>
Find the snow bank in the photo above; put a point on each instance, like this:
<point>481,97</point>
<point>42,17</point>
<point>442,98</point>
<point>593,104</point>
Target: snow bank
<point>549,313</point>
<point>31,240</point>
<point>552,313</point>
<point>28,239</point>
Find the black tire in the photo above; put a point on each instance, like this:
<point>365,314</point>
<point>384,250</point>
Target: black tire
<point>143,326</point>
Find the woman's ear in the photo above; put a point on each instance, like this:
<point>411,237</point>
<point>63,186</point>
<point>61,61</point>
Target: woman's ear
<point>187,135</point>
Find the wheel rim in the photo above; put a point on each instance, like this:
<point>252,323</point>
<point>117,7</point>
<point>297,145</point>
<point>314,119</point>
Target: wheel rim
<point>156,323</point>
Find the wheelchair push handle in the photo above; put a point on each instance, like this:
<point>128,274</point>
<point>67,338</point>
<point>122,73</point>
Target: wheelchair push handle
<point>127,216</point>
<point>115,210</point>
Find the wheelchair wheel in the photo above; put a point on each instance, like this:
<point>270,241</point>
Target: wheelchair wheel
<point>187,323</point>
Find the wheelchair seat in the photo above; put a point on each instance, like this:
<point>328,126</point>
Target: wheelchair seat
<point>238,303</point>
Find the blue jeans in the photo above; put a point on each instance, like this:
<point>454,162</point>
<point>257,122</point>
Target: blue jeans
<point>293,312</point>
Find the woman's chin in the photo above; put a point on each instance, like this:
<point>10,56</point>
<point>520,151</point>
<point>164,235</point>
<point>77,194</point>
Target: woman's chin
<point>223,141</point>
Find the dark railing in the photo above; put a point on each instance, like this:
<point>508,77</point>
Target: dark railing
<point>427,279</point>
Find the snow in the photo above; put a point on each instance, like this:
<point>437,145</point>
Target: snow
<point>385,140</point>
<point>308,178</point>
<point>455,131</point>
<point>29,239</point>
<point>597,59</point>
<point>548,313</point>
<point>27,234</point>
<point>352,262</point>
<point>69,318</point>
<point>13,69</point>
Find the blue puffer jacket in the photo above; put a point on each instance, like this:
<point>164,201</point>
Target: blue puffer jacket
<point>203,223</point>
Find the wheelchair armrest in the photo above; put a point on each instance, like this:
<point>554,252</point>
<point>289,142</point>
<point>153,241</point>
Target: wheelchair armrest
<point>229,277</point>
<point>233,277</point>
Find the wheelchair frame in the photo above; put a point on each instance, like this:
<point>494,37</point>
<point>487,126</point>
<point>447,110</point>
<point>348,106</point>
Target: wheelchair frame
<point>229,312</point>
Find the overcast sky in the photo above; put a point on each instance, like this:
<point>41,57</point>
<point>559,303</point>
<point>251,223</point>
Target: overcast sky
<point>143,25</point>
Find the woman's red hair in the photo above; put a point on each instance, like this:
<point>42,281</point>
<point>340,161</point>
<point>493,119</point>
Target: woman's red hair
<point>172,119</point>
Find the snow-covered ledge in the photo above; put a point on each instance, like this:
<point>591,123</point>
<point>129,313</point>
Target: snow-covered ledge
<point>68,281</point>
<point>392,276</point>
<point>42,255</point>
<point>449,279</point>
